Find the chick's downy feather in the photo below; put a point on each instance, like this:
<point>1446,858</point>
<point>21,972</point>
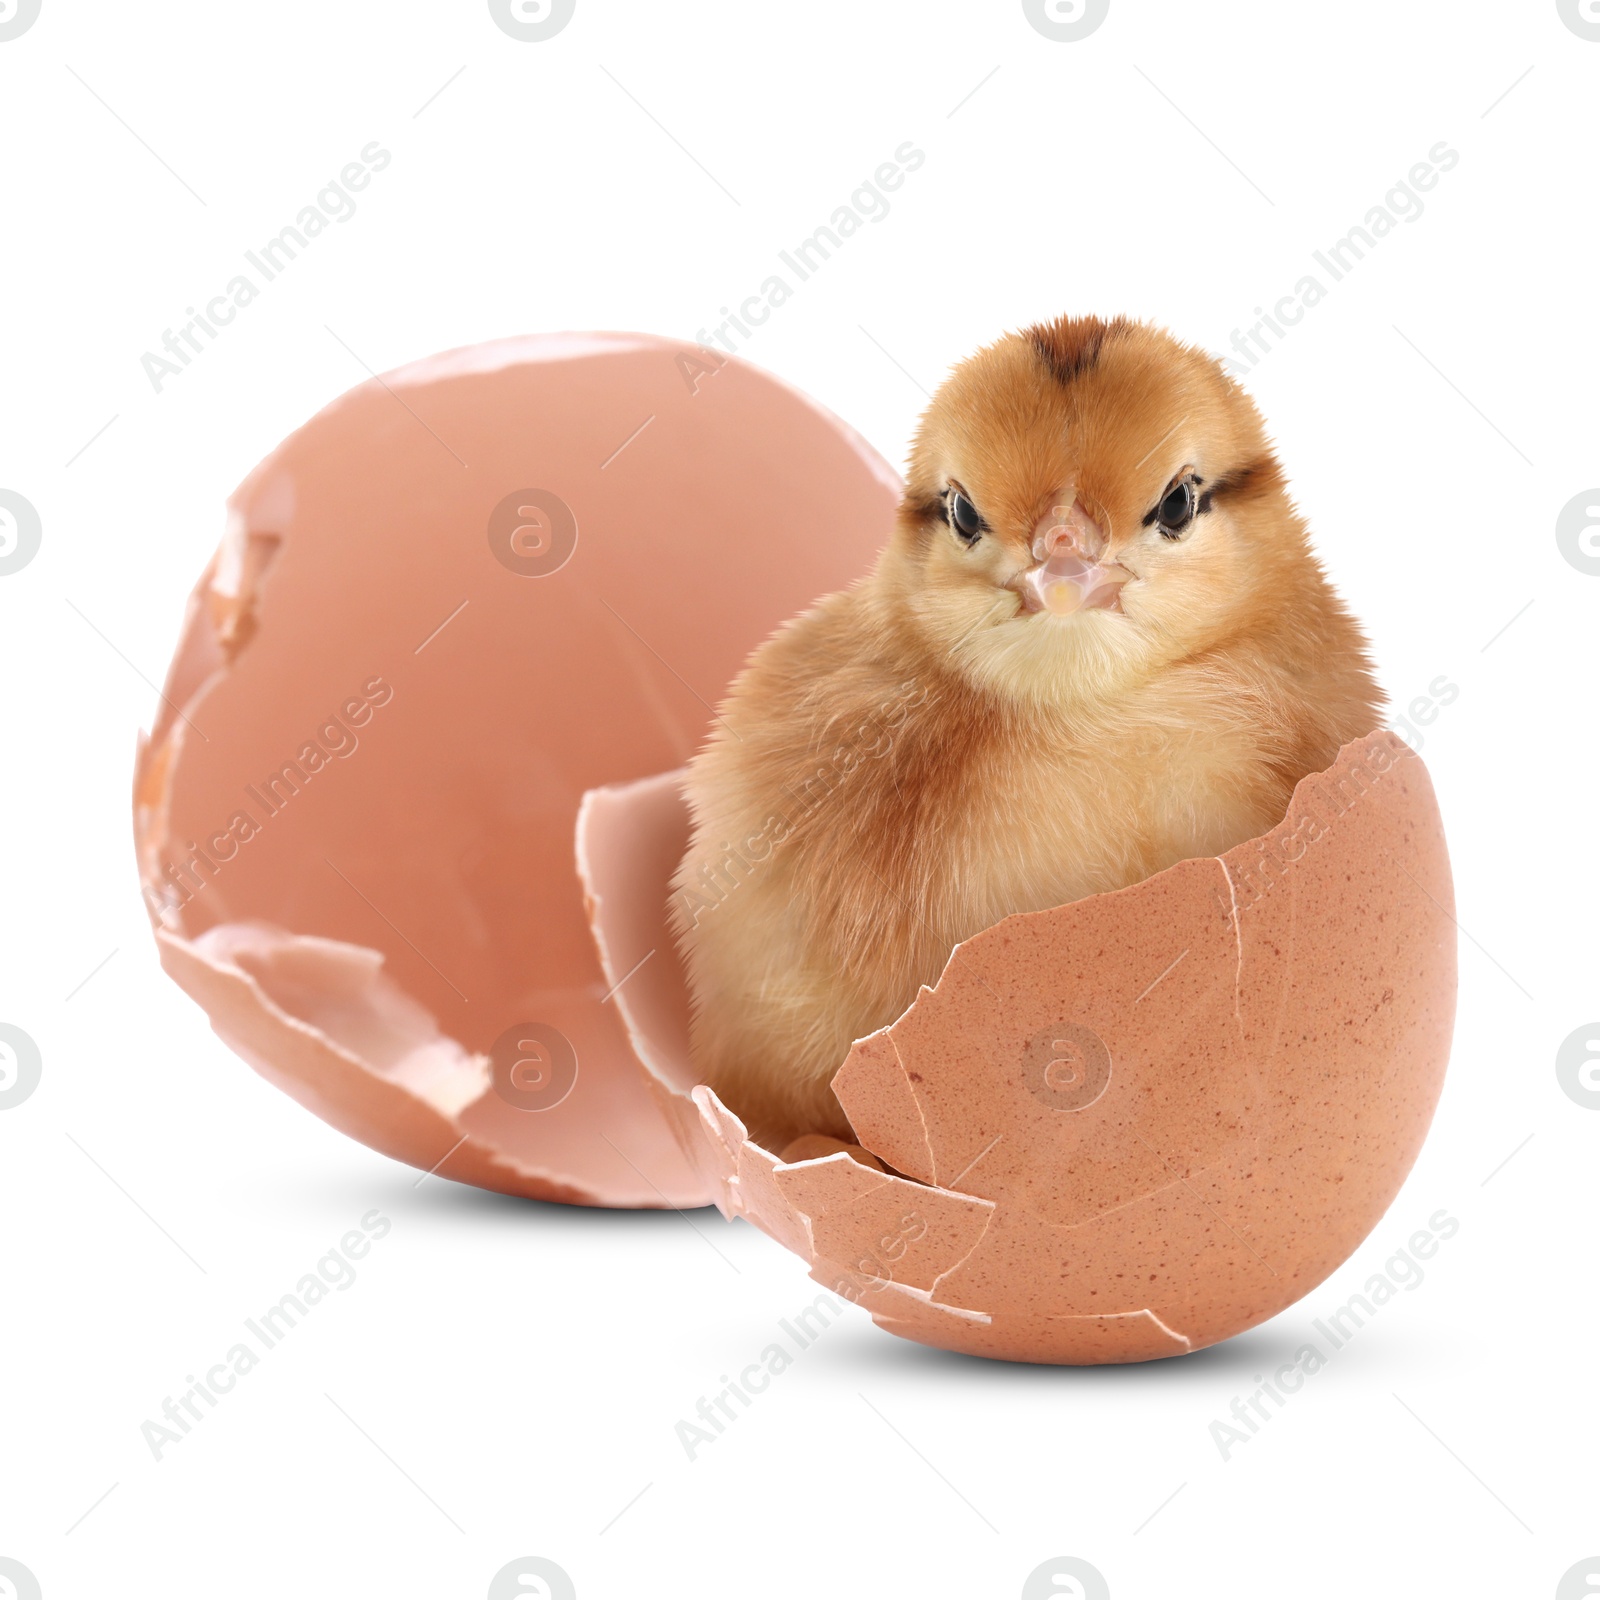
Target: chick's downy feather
<point>1096,644</point>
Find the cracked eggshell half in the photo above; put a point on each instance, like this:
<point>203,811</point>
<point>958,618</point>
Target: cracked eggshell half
<point>1127,1127</point>
<point>447,607</point>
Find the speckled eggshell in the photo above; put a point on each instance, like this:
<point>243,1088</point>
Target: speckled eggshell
<point>1246,1054</point>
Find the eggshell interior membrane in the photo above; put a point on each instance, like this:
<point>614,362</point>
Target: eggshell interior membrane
<point>363,919</point>
<point>1120,1129</point>
<point>1127,1127</point>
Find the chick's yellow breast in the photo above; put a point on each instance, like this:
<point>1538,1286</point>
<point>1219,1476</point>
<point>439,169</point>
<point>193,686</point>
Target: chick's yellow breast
<point>854,821</point>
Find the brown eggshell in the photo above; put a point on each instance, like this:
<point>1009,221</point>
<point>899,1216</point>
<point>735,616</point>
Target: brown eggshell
<point>415,897</point>
<point>1248,1053</point>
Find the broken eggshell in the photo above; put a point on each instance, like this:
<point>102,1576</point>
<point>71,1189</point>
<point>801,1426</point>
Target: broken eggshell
<point>481,609</point>
<point>454,601</point>
<point>1123,1128</point>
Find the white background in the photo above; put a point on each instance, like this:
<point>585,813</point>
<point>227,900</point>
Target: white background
<point>505,1377</point>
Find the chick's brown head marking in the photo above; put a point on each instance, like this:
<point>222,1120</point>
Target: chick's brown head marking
<point>1089,501</point>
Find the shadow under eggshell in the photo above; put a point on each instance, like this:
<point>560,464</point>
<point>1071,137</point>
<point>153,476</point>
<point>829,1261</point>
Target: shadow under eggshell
<point>1249,1050</point>
<point>355,812</point>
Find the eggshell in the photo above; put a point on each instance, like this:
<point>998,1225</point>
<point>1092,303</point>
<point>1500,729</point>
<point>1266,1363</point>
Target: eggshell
<point>1117,1130</point>
<point>414,898</point>
<point>1253,1046</point>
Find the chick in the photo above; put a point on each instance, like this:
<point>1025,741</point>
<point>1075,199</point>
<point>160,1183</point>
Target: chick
<point>1097,643</point>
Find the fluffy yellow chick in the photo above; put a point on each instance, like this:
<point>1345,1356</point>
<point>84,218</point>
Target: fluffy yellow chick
<point>1096,644</point>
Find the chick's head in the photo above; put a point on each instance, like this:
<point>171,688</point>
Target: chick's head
<point>1087,501</point>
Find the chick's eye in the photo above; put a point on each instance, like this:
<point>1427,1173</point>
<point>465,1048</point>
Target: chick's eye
<point>1176,510</point>
<point>964,517</point>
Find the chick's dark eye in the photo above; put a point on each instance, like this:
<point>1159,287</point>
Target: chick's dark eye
<point>1176,510</point>
<point>964,517</point>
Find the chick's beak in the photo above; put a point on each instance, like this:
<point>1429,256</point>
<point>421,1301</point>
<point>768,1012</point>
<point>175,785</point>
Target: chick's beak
<point>1070,573</point>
